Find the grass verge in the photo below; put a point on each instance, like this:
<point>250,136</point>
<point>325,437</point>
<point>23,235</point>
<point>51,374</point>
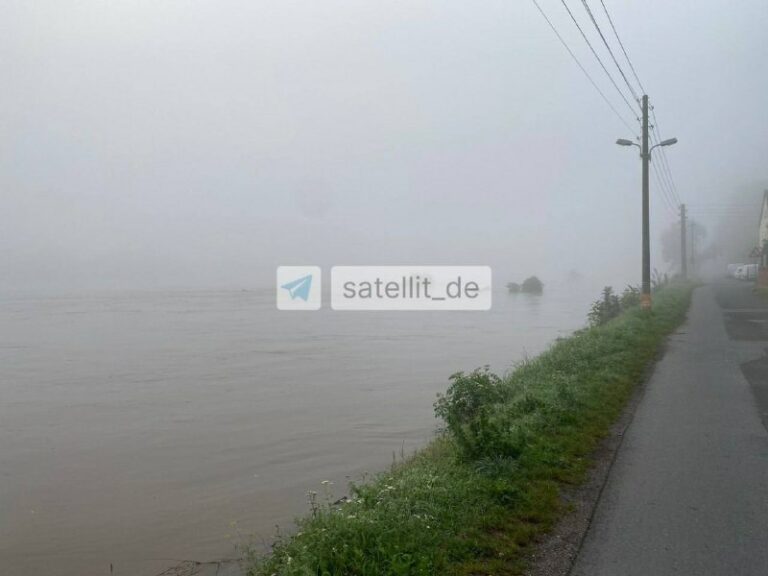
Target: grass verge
<point>475,499</point>
<point>761,291</point>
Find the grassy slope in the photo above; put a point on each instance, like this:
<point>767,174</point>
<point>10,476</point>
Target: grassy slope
<point>440,513</point>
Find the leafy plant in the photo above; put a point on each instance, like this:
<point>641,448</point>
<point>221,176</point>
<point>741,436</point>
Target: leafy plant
<point>630,297</point>
<point>659,280</point>
<point>605,309</point>
<point>467,410</point>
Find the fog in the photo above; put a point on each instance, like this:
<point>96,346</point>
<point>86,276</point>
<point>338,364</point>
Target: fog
<point>200,144</point>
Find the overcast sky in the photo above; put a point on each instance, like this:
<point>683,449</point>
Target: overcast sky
<point>157,143</point>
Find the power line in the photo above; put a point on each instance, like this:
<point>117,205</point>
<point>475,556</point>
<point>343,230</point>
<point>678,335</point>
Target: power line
<point>664,184</point>
<point>664,160</point>
<point>668,171</point>
<point>594,52</point>
<point>610,20</point>
<point>727,205</point>
<point>707,211</point>
<point>661,176</point>
<point>610,51</point>
<point>664,172</point>
<point>668,202</point>
<point>578,63</point>
<point>655,138</point>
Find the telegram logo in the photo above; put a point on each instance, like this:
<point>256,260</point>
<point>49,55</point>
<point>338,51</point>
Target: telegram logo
<point>298,288</point>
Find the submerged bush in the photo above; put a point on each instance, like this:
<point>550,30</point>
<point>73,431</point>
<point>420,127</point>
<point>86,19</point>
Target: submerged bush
<point>533,285</point>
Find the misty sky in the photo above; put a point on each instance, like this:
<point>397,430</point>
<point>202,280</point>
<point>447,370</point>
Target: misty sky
<point>148,144</point>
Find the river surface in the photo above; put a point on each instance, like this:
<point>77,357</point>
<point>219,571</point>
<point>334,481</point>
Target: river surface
<point>141,429</point>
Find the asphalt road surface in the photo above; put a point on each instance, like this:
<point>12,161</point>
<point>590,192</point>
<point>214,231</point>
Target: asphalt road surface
<point>688,492</point>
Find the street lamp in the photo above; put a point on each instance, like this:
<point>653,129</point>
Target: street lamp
<point>645,154</point>
<point>667,142</point>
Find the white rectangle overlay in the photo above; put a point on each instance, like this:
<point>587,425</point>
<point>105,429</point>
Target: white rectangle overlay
<point>411,288</point>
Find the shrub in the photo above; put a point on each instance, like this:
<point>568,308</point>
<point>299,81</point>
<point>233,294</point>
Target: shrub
<point>533,285</point>
<point>466,408</point>
<point>605,309</point>
<point>658,280</point>
<point>630,297</point>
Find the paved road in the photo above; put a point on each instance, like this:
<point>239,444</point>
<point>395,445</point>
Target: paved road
<point>688,493</point>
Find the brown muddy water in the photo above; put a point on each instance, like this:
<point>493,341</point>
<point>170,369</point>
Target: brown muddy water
<point>142,429</point>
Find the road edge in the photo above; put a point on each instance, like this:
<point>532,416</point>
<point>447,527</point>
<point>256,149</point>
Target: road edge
<point>556,553</point>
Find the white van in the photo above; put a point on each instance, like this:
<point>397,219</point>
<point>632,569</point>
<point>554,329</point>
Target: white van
<point>732,270</point>
<point>746,272</point>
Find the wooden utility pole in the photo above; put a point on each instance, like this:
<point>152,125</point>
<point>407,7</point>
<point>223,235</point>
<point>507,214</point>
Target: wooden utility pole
<point>645,155</point>
<point>645,296</point>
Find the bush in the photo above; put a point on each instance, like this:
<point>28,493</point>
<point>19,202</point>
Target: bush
<point>605,309</point>
<point>533,285</point>
<point>466,410</point>
<point>630,297</point>
<point>611,305</point>
<point>658,280</point>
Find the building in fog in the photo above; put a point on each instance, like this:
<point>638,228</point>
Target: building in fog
<point>763,231</point>
<point>762,241</point>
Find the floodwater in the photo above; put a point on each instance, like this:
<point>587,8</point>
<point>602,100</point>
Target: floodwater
<point>141,429</point>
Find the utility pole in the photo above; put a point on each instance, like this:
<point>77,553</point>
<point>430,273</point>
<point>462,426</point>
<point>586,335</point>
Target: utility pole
<point>683,256</point>
<point>645,296</point>
<point>645,155</point>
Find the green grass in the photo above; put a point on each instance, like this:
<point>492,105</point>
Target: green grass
<point>480,494</point>
<point>761,291</point>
